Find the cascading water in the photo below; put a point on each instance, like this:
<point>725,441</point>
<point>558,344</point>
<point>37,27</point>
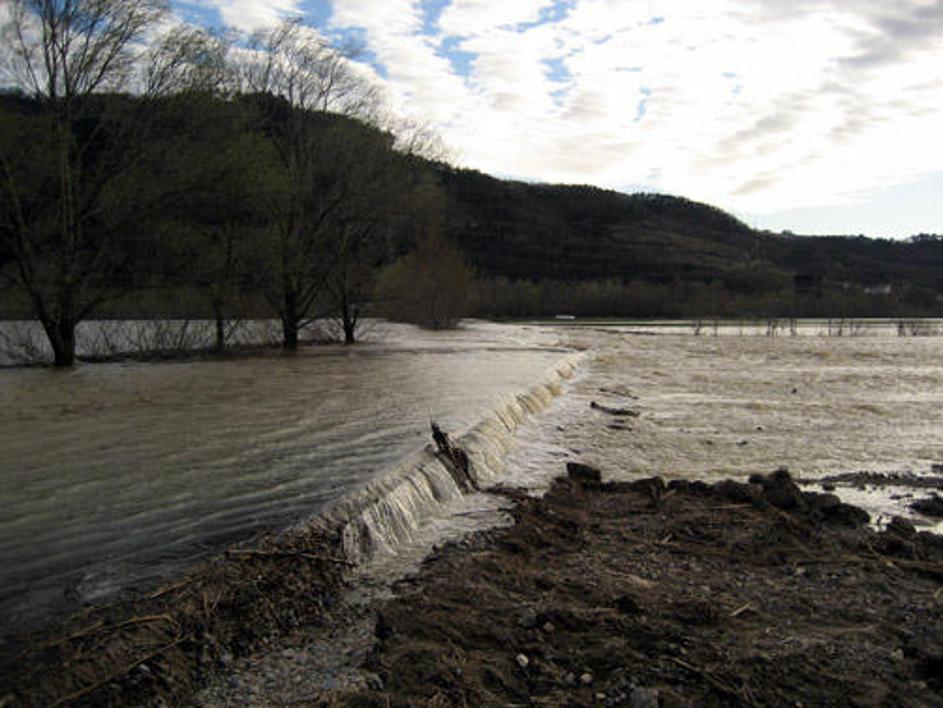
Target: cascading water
<point>122,475</point>
<point>389,512</point>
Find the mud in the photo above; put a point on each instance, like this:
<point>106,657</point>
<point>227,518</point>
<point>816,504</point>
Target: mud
<point>648,594</point>
<point>906,480</point>
<point>159,647</point>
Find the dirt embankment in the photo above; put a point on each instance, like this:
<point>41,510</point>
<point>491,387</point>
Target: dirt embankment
<point>644,594</point>
<point>158,648</point>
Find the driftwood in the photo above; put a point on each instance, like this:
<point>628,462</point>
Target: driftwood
<point>455,459</point>
<point>630,412</point>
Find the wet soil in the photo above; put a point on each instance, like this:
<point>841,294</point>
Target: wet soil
<point>647,594</point>
<point>160,647</point>
<point>881,479</point>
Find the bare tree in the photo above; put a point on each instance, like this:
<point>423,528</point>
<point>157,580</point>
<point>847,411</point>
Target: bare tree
<point>300,85</point>
<point>71,155</point>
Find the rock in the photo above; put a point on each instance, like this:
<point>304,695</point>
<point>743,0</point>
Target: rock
<point>586,678</point>
<point>650,486</point>
<point>582,473</point>
<point>600,696</point>
<point>931,506</point>
<point>644,698</point>
<point>735,491</point>
<point>899,526</point>
<point>522,661</point>
<point>847,515</point>
<point>821,502</point>
<point>779,489</point>
<point>527,619</point>
<point>627,605</point>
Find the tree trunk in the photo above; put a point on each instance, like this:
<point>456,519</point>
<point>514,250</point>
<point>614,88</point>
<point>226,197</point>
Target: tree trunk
<point>289,334</point>
<point>349,320</point>
<point>61,336</point>
<point>290,320</point>
<point>220,327</point>
<point>350,329</point>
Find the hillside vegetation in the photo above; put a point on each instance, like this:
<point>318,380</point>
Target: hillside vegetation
<point>692,258</point>
<point>202,179</point>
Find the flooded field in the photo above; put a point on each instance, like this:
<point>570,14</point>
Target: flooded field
<point>731,405</point>
<point>115,475</point>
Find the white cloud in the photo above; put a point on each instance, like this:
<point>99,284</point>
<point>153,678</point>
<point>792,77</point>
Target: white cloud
<point>755,106</point>
<point>254,15</point>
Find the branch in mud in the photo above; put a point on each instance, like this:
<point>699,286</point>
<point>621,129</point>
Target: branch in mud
<point>455,459</point>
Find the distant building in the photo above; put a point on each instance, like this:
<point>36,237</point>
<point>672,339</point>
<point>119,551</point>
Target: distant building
<point>884,289</point>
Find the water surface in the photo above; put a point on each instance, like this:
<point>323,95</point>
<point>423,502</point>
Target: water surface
<point>116,475</point>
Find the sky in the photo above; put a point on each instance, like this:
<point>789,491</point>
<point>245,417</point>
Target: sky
<point>814,116</point>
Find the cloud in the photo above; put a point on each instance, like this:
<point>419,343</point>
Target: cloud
<point>250,15</point>
<point>755,106</point>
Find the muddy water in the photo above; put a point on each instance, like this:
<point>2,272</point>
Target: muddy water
<point>115,475</point>
<point>728,406</point>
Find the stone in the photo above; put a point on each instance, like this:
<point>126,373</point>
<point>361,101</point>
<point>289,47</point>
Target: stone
<point>643,698</point>
<point>586,678</point>
<point>627,605</point>
<point>582,473</point>
<point>527,619</point>
<point>930,506</point>
<point>779,489</point>
<point>899,526</point>
<point>522,661</point>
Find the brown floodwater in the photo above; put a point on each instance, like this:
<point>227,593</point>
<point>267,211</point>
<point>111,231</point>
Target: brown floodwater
<point>113,476</point>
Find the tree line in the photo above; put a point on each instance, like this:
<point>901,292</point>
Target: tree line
<point>258,168</point>
<point>146,171</point>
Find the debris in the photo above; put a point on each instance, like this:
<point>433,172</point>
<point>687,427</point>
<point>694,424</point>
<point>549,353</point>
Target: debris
<point>631,412</point>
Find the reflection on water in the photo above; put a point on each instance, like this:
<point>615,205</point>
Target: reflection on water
<point>114,475</point>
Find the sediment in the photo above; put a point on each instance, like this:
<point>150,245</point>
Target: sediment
<point>654,594</point>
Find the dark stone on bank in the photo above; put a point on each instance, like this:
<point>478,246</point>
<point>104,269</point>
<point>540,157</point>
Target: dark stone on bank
<point>652,486</point>
<point>899,526</point>
<point>931,506</point>
<point>582,473</point>
<point>627,605</point>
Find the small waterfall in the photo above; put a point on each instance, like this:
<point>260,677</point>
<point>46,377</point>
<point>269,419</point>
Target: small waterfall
<point>389,511</point>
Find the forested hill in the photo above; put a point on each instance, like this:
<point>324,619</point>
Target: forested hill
<point>577,233</point>
<point>218,204</point>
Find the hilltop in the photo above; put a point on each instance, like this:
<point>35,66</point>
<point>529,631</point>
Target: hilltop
<point>537,232</point>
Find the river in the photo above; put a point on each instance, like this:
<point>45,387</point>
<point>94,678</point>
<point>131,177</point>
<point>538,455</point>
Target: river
<point>113,476</point>
<point>117,475</point>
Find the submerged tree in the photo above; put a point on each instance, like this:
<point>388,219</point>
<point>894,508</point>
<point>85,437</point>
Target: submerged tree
<point>73,155</point>
<point>301,87</point>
